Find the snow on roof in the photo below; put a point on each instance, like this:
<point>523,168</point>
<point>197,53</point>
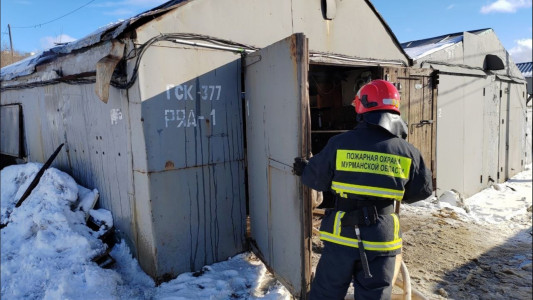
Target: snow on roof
<point>108,32</point>
<point>424,50</point>
<point>525,68</point>
<point>420,48</point>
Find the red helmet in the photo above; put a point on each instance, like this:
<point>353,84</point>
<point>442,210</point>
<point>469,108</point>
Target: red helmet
<point>377,95</point>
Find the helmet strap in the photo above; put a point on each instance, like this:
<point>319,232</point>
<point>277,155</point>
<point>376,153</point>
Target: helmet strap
<point>366,104</point>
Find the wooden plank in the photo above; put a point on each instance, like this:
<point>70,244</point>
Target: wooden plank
<point>405,95</point>
<point>427,114</point>
<point>420,72</point>
<point>415,112</point>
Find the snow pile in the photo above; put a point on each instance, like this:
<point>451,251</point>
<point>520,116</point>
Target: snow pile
<point>47,251</point>
<point>46,247</point>
<point>242,277</point>
<point>504,204</point>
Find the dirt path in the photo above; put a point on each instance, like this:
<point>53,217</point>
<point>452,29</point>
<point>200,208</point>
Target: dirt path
<point>448,258</point>
<point>452,259</point>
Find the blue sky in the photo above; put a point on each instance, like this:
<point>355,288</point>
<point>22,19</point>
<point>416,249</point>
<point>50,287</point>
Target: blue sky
<point>409,20</point>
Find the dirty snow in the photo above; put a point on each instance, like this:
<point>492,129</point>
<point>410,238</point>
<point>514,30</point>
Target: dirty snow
<point>46,247</point>
<point>500,204</point>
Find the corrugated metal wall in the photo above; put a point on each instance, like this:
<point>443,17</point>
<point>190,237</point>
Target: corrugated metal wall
<point>481,132</point>
<point>96,135</point>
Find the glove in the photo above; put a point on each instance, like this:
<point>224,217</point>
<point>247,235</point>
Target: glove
<point>299,165</point>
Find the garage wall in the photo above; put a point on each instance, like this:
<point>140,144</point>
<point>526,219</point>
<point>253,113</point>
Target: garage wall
<point>450,134</point>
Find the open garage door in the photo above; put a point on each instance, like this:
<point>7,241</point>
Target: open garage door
<point>277,120</point>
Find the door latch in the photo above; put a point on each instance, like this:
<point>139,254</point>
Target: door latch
<point>420,124</point>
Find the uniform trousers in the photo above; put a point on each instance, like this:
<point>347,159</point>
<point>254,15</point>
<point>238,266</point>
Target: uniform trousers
<point>339,265</point>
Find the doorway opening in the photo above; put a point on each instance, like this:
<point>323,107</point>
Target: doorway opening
<point>331,92</point>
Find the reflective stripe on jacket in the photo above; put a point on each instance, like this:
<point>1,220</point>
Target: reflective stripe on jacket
<point>368,161</point>
<point>390,172</point>
<point>368,164</point>
<point>384,236</point>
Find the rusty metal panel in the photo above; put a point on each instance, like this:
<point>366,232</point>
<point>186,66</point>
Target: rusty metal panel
<point>276,89</point>
<point>11,131</point>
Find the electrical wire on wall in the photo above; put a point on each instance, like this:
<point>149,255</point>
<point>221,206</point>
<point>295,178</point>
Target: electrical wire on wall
<point>137,53</point>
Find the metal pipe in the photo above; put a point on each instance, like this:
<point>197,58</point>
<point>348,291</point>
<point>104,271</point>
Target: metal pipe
<point>11,43</point>
<point>218,47</point>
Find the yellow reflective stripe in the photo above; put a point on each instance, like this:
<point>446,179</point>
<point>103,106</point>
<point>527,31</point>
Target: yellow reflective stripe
<point>373,162</point>
<point>345,188</point>
<point>373,246</point>
<point>396,226</point>
<point>337,224</point>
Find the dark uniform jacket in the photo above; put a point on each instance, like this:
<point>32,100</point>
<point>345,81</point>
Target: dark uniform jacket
<point>368,165</point>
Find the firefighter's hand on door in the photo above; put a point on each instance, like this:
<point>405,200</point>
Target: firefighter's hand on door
<point>299,165</point>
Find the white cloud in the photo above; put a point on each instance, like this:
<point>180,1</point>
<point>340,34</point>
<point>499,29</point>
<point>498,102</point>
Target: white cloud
<point>521,52</point>
<point>450,6</point>
<point>505,6</point>
<point>48,42</point>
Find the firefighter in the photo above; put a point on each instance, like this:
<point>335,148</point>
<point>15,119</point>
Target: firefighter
<point>368,169</point>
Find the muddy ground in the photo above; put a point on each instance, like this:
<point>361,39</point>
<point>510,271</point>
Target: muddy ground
<point>449,258</point>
